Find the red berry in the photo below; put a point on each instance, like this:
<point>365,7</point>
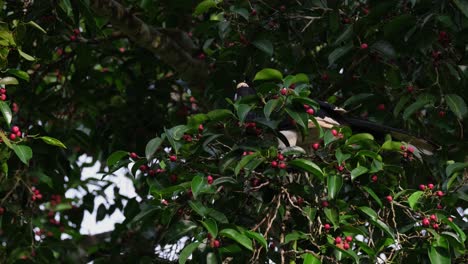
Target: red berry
<point>172,158</point>
<point>300,201</point>
<point>425,222</point>
<point>402,147</point>
<point>349,238</point>
<point>381,107</point>
<point>442,113</point>
<point>410,88</point>
<point>326,227</point>
<point>253,12</point>
<point>274,164</point>
<point>306,106</point>
<point>12,136</point>
<point>14,107</point>
<point>200,128</point>
<point>422,187</point>
<point>325,204</point>
<point>133,155</point>
<point>389,198</point>
<point>280,156</point>
<point>439,206</point>
<point>73,38</point>
<point>255,182</point>
<point>216,243</point>
<point>2,91</point>
<point>450,219</point>
<point>284,91</point>
<point>2,210</point>
<point>143,168</point>
<point>340,168</point>
<point>440,193</point>
<point>364,46</point>
<point>316,146</point>
<point>310,111</point>
<point>3,97</point>
<point>433,218</point>
<point>374,178</point>
<point>410,149</point>
<point>152,172</point>
<point>282,8</point>
<point>430,186</point>
<point>345,246</point>
<point>122,49</point>
<point>325,77</point>
<point>164,202</point>
<point>282,165</point>
<point>201,56</point>
<point>435,226</point>
<point>334,132</point>
<point>338,240</point>
<point>76,31</point>
<point>209,179</point>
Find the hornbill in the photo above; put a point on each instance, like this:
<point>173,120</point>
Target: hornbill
<point>329,116</point>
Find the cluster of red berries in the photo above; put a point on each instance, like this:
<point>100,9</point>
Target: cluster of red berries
<point>337,134</point>
<point>214,243</point>
<point>426,222</point>
<point>407,152</point>
<point>252,126</point>
<point>279,162</point>
<point>246,153</point>
<point>309,110</point>
<point>15,133</point>
<point>3,96</point>
<point>430,187</point>
<point>343,242</point>
<point>55,199</point>
<point>36,194</point>
<point>76,33</point>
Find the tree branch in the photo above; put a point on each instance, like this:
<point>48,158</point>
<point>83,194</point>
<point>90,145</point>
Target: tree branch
<point>169,50</point>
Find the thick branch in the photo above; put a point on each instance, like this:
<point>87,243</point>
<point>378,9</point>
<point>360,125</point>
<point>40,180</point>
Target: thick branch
<point>157,41</point>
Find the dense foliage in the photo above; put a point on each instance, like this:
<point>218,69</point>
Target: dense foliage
<point>148,86</point>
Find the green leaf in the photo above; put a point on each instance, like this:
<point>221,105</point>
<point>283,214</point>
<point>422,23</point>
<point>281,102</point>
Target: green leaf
<point>384,227</point>
<point>101,212</point>
<point>8,81</point>
<point>116,157</point>
<point>332,216</point>
<point>270,107</point>
<point>413,199</point>
<point>391,145</point>
<point>219,114</point>
<point>6,112</point>
<point>384,48</point>
<point>152,146</point>
<point>238,237</point>
<point>211,258</point>
<point>5,139</point>
<point>211,227</point>
<point>294,236</point>
<point>457,166</point>
<point>358,171</point>
<point>457,105</point>
<point>35,25</point>
<point>264,45</point>
<point>199,208</point>
<point>258,237</point>
<point>439,255</point>
<point>23,152</point>
<point>334,184</point>
<point>457,229</point>
<point>340,157</point>
<point>242,111</point>
<point>310,259</point>
<point>18,73</point>
<point>372,193</point>
<point>359,137</point>
<point>268,74</point>
<point>241,11</point>
<point>401,103</point>
<point>26,56</point>
<point>244,161</point>
<point>222,180</point>
<point>187,252</point>
<point>416,106</point>
<point>203,7</point>
<point>308,166</point>
<point>463,6</point>
<point>218,216</point>
<point>338,53</point>
<point>369,211</point>
<point>197,185</point>
<point>53,141</point>
<point>179,229</point>
<point>358,98</point>
<point>300,118</point>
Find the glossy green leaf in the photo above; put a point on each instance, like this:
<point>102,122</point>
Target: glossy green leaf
<point>264,45</point>
<point>457,166</point>
<point>198,183</point>
<point>238,237</point>
<point>257,237</point>
<point>23,152</point>
<point>152,146</point>
<point>414,198</point>
<point>268,74</point>
<point>25,55</point>
<point>219,114</point>
<point>187,252</point>
<point>179,229</point>
<point>270,107</point>
<point>463,6</point>
<point>457,105</point>
<point>421,102</point>
<point>211,227</point>
<point>369,212</point>
<point>357,99</point>
<point>373,195</point>
<point>116,157</point>
<point>53,141</point>
<point>439,255</point>
<point>203,7</point>
<point>310,259</point>
<point>308,166</point>
<point>6,112</point>
<point>8,81</point>
<point>332,216</point>
<point>358,171</point>
<point>338,53</point>
<point>334,184</point>
<point>35,25</point>
<point>359,137</point>
<point>242,111</point>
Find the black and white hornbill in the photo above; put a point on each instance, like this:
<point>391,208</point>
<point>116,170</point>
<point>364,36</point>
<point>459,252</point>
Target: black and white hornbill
<point>329,116</point>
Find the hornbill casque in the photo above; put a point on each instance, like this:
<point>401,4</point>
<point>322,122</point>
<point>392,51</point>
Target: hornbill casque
<point>329,116</point>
